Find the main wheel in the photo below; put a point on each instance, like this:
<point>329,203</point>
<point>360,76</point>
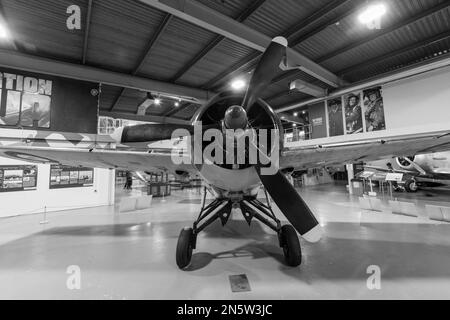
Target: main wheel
<point>291,246</point>
<point>184,247</point>
<point>411,185</point>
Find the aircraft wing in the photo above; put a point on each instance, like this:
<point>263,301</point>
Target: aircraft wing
<point>97,158</point>
<point>313,156</point>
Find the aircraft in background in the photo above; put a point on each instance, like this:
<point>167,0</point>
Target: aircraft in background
<point>427,170</point>
<point>235,185</point>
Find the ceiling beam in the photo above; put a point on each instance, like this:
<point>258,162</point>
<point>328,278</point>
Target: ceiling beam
<point>382,32</point>
<point>289,34</point>
<point>205,17</point>
<point>86,32</point>
<point>156,36</point>
<point>217,40</point>
<point>146,118</point>
<point>31,63</point>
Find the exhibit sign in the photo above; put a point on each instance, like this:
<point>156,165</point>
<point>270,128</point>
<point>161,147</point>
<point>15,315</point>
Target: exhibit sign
<point>18,178</point>
<point>70,177</point>
<point>43,102</point>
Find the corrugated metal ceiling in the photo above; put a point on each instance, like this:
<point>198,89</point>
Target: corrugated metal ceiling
<point>121,31</point>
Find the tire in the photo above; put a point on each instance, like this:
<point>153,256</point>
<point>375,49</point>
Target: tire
<point>291,246</point>
<point>184,248</point>
<point>411,185</point>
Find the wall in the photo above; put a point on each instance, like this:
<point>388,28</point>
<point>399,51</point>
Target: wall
<point>422,100</point>
<point>420,104</point>
<point>34,201</point>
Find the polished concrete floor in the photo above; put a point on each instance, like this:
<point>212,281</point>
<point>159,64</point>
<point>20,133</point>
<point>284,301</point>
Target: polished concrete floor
<point>132,255</point>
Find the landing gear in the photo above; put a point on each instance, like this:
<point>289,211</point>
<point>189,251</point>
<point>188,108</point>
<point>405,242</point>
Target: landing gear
<point>251,209</point>
<point>411,185</point>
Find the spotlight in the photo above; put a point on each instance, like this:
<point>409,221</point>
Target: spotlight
<point>3,32</point>
<point>294,125</point>
<point>157,101</point>
<point>238,84</point>
<point>372,13</point>
<point>176,104</point>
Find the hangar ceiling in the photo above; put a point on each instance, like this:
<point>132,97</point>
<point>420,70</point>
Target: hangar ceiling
<point>136,38</point>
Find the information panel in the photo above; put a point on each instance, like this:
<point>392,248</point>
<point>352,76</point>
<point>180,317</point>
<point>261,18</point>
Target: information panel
<point>70,177</point>
<point>18,178</point>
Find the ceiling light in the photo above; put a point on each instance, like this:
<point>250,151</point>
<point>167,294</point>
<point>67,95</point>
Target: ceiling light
<point>157,101</point>
<point>3,32</point>
<point>176,104</point>
<point>372,13</point>
<point>295,114</point>
<point>294,125</point>
<point>238,84</point>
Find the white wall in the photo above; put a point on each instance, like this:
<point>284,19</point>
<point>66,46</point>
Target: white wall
<point>34,201</point>
<point>418,101</point>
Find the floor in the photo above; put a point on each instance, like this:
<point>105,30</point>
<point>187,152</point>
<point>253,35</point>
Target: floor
<point>132,255</point>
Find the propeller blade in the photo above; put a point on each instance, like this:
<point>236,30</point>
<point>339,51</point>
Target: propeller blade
<point>265,71</point>
<point>292,205</point>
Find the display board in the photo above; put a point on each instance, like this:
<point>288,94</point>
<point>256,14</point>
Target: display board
<point>70,177</point>
<point>18,178</point>
<point>36,101</point>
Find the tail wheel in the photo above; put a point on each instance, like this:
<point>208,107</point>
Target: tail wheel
<point>184,247</point>
<point>291,246</point>
<point>411,186</point>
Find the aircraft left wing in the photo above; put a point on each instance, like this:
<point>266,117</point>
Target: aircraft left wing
<point>97,158</point>
<point>314,156</point>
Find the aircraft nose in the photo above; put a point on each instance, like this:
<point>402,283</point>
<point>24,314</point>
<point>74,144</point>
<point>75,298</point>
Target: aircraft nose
<point>235,118</point>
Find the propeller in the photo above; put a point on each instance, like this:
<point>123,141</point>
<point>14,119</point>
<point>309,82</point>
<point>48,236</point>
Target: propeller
<point>280,189</point>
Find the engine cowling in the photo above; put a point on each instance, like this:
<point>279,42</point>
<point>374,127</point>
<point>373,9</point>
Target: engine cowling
<point>228,176</point>
<point>405,164</point>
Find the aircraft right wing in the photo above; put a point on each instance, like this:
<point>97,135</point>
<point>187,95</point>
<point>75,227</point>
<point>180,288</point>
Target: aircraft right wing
<point>314,156</point>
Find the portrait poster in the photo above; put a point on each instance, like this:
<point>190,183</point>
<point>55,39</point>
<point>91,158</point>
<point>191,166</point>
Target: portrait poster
<point>374,110</point>
<point>353,113</point>
<point>335,117</point>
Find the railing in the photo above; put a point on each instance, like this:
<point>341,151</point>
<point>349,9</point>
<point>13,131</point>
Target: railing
<point>299,133</point>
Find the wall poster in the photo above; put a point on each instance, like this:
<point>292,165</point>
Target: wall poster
<point>70,177</point>
<point>36,101</point>
<point>374,110</point>
<point>353,113</point>
<point>18,178</point>
<point>335,117</point>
